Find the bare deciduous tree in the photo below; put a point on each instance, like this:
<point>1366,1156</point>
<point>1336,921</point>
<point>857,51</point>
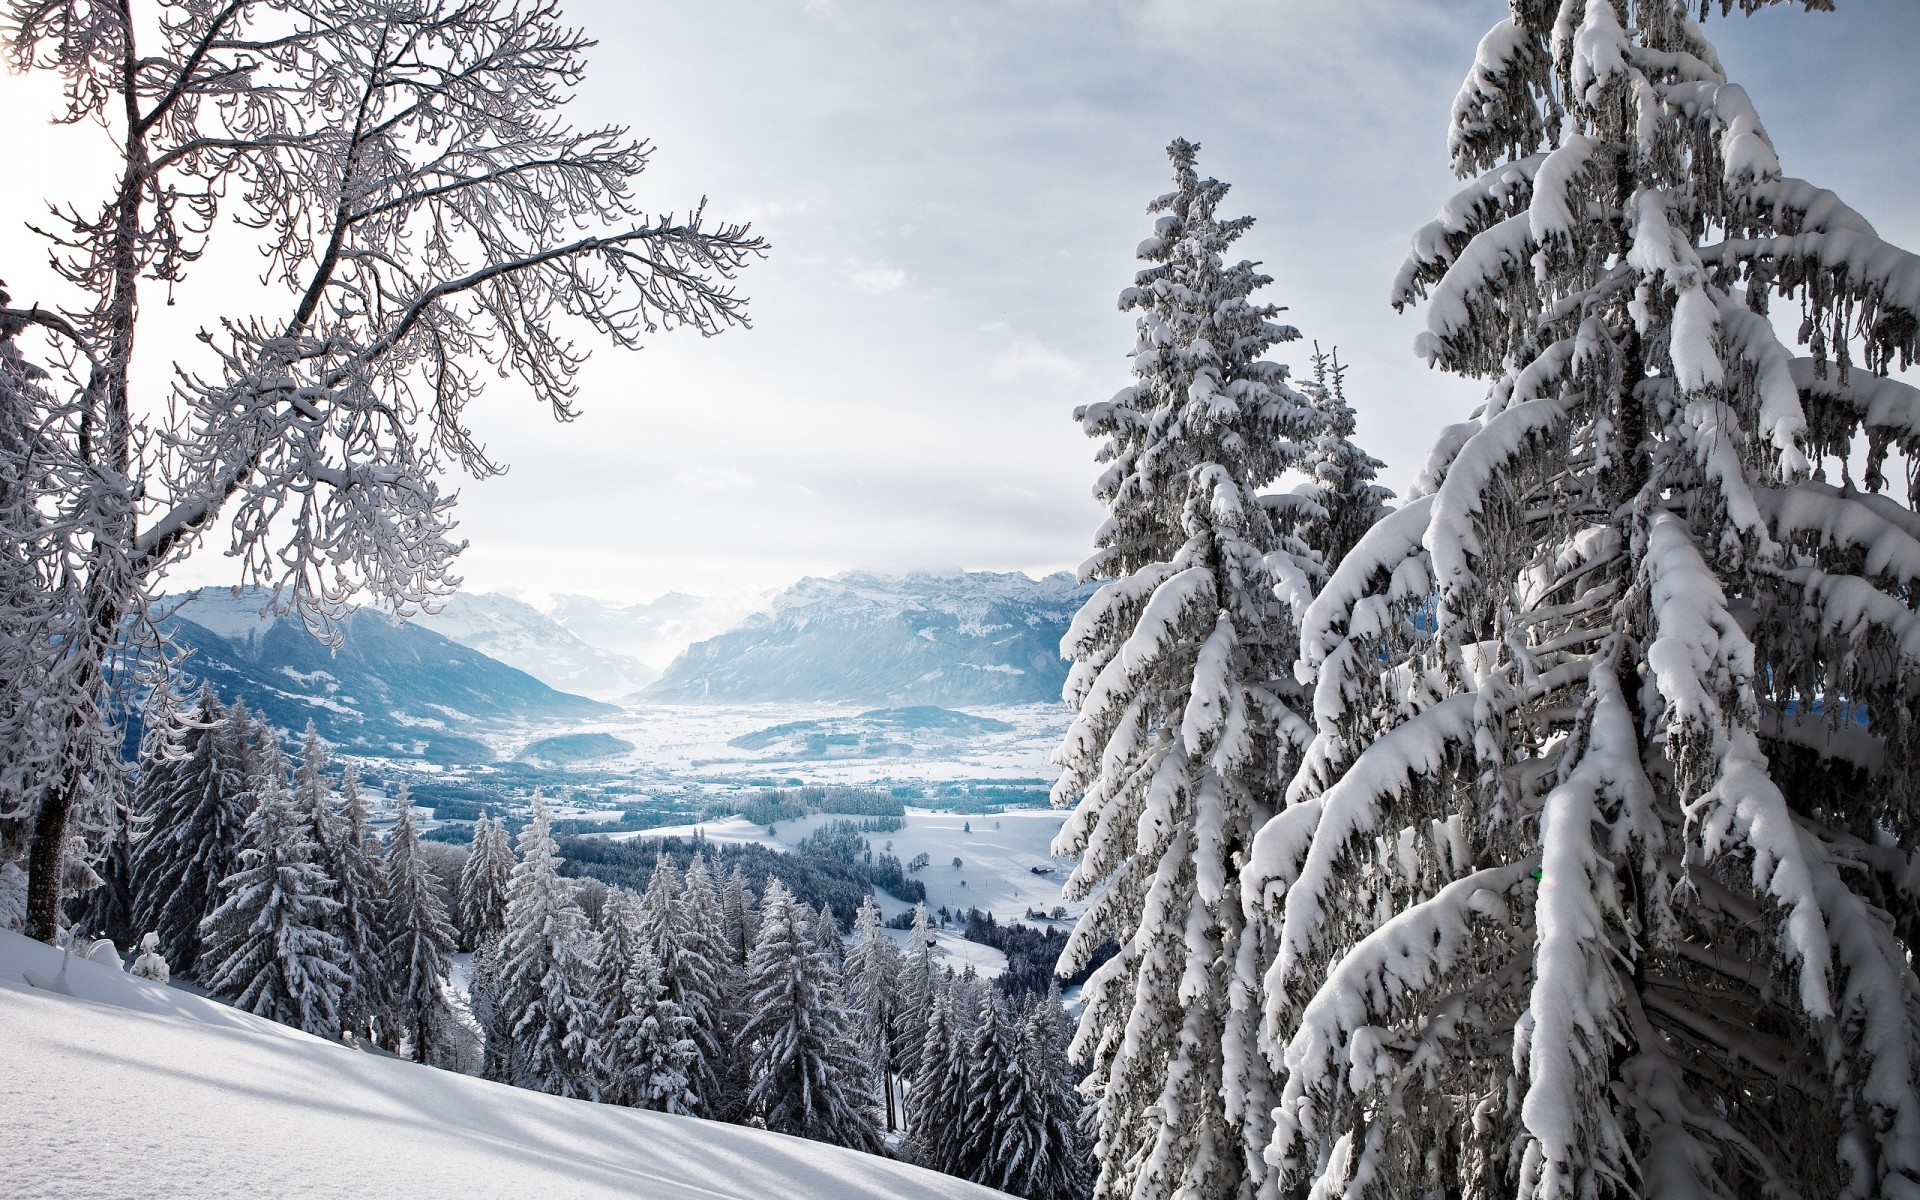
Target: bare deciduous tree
<point>427,217</point>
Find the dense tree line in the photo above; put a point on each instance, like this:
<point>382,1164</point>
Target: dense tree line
<point>698,991</point>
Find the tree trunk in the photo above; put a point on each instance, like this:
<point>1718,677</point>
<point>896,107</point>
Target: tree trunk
<point>44,854</point>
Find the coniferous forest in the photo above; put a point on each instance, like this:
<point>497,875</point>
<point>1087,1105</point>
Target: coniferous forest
<point>1548,829</point>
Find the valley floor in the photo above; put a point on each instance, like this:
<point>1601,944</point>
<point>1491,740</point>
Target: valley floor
<point>130,1089</point>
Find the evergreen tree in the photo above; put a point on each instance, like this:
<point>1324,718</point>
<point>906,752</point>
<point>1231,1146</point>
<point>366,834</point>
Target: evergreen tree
<point>1590,885</point>
<point>418,939</point>
<point>267,948</point>
<point>706,954</point>
<point>1040,1149</point>
<point>1340,475</point>
<point>914,1001</point>
<point>645,1053</point>
<point>808,1079</point>
<point>339,830</point>
<point>483,885</point>
<point>992,1063</point>
<point>541,998</point>
<point>740,920</point>
<point>351,857</point>
<point>1185,701</point>
<point>937,1104</point>
<point>191,810</point>
<point>873,971</point>
<point>679,923</point>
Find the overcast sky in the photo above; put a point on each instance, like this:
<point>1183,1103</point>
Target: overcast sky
<point>953,189</point>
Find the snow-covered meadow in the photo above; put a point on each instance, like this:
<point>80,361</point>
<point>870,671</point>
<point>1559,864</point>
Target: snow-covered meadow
<point>693,742</point>
<point>132,1088</point>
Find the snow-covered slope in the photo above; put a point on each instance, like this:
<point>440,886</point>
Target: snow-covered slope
<point>523,637</point>
<point>957,638</point>
<point>129,1088</point>
<point>389,690</point>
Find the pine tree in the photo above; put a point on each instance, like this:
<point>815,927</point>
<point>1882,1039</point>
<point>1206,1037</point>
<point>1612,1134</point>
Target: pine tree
<point>992,1062</point>
<point>339,830</point>
<point>483,885</point>
<point>1589,887</point>
<point>267,948</point>
<point>914,1003</point>
<point>740,919</point>
<point>940,1083</point>
<point>1340,475</point>
<point>1182,684</point>
<point>1040,1149</point>
<point>645,1054</point>
<point>873,970</point>
<point>808,1079</point>
<point>680,923</point>
<point>351,857</point>
<point>418,938</point>
<point>191,810</point>
<point>541,997</point>
<point>705,954</point>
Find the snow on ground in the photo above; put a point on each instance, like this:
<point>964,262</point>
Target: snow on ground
<point>131,1088</point>
<point>997,858</point>
<point>690,741</point>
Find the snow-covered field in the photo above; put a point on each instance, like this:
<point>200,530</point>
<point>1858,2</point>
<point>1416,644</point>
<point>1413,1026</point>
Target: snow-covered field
<point>997,858</point>
<point>131,1089</point>
<point>690,742</point>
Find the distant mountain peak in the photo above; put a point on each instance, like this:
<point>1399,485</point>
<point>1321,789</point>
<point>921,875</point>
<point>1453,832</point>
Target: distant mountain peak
<point>922,637</point>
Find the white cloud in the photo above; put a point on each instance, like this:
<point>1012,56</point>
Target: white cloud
<point>876,280</point>
<point>1028,360</point>
<point>712,479</point>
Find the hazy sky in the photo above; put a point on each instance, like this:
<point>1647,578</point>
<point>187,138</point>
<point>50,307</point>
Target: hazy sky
<point>953,189</point>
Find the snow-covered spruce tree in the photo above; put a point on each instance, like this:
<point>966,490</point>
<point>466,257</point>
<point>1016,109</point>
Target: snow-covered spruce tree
<point>918,988</point>
<point>808,1078</point>
<point>541,995</point>
<point>873,971</point>
<point>992,1063</point>
<point>267,948</point>
<point>680,924</point>
<point>483,884</point>
<point>1040,1147</point>
<point>1180,680</point>
<point>1597,880</point>
<point>351,858</point>
<point>418,939</point>
<point>1340,475</point>
<point>191,810</point>
<point>643,1054</point>
<point>938,1103</point>
<point>703,918</point>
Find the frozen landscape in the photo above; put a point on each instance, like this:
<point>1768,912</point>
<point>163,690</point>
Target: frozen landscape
<point>146,1090</point>
<point>1486,773</point>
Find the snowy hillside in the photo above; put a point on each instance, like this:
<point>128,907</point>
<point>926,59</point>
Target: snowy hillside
<point>389,690</point>
<point>958,638</point>
<point>132,1088</point>
<point>523,637</point>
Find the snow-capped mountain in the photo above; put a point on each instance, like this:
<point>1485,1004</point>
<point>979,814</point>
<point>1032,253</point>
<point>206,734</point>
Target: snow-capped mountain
<point>654,631</point>
<point>390,690</point>
<point>958,638</point>
<point>523,637</point>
